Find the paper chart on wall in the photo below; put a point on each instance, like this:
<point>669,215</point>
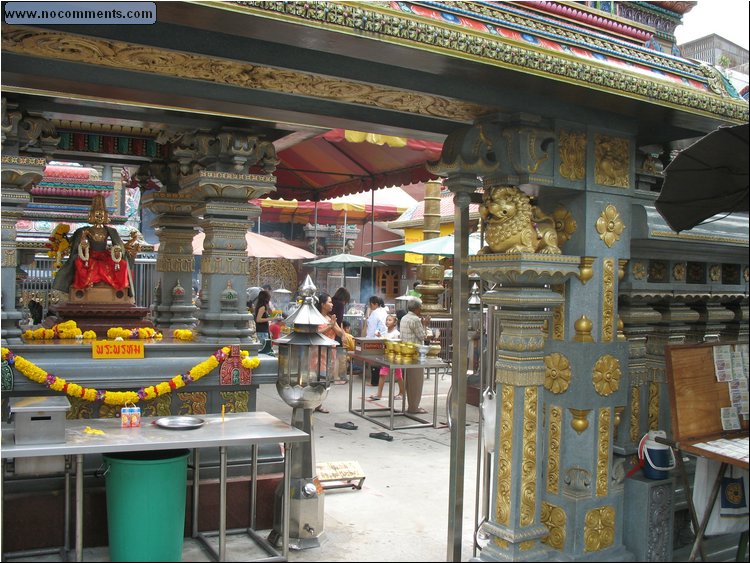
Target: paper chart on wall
<point>730,418</point>
<point>723,363</point>
<point>738,395</point>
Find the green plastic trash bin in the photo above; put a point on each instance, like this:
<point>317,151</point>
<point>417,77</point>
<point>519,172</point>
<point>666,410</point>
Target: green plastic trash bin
<point>146,504</point>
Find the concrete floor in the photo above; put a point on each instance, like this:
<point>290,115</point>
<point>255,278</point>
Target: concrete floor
<point>401,512</point>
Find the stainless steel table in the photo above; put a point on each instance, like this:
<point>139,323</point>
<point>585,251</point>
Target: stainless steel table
<point>253,428</point>
<point>435,365</point>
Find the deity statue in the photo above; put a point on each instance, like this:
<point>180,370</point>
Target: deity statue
<point>98,256</point>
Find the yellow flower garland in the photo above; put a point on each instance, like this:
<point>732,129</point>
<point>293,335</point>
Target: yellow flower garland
<point>37,374</point>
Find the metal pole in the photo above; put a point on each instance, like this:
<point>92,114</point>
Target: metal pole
<point>372,242</point>
<point>315,244</point>
<point>257,261</point>
<point>462,186</point>
<point>343,242</point>
<point>343,248</point>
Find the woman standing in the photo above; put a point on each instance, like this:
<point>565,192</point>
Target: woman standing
<point>340,301</point>
<point>261,314</point>
<point>331,329</point>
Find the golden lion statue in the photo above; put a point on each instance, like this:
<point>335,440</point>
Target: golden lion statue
<point>513,225</point>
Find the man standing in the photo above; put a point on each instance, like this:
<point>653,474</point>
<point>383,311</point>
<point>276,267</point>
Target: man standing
<point>414,329</point>
<point>375,328</point>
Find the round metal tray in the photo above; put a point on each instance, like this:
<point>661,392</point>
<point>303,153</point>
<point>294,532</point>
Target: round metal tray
<point>179,422</point>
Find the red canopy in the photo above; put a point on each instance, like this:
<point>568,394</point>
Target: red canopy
<point>342,162</point>
<point>329,213</point>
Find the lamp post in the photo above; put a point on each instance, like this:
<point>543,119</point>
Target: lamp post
<point>305,363</point>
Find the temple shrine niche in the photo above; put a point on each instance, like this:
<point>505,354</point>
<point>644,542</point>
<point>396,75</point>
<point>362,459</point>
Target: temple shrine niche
<point>95,288</point>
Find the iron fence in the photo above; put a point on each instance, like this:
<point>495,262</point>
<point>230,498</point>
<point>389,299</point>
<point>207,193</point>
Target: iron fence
<point>38,282</point>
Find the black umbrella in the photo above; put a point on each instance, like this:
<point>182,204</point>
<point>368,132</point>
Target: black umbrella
<point>707,178</point>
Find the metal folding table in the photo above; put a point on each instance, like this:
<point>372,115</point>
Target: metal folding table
<point>435,365</point>
<point>252,428</point>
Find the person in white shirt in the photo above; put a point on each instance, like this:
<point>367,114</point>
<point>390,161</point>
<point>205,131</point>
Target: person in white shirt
<point>376,317</point>
<point>374,327</point>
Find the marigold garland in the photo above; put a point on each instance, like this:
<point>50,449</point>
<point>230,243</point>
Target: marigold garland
<point>143,333</point>
<point>183,334</point>
<point>63,331</point>
<point>59,246</point>
<point>37,374</point>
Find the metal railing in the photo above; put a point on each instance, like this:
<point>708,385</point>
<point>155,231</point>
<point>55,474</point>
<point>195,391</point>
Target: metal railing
<point>445,325</point>
<point>38,282</point>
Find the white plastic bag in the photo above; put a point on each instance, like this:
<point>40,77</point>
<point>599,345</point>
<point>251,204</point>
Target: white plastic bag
<point>705,475</point>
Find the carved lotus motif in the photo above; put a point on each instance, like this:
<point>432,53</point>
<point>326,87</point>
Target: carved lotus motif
<point>639,270</point>
<point>606,376</point>
<point>609,225</point>
<point>714,272</point>
<point>565,224</point>
<point>678,271</point>
<point>557,373</point>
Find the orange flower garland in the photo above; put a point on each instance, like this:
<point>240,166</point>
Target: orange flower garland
<point>37,374</point>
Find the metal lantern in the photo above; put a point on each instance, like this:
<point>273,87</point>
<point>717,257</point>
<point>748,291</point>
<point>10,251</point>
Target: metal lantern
<point>475,329</point>
<point>305,371</point>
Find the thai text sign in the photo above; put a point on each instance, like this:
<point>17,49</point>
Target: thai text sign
<point>116,350</point>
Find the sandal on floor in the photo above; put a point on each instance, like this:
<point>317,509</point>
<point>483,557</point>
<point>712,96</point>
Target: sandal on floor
<point>346,425</point>
<point>375,398</point>
<point>322,409</point>
<point>340,382</point>
<point>381,436</point>
<point>420,410</point>
<point>398,397</point>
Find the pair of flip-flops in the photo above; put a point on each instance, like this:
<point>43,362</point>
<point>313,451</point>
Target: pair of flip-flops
<point>381,436</point>
<point>346,425</point>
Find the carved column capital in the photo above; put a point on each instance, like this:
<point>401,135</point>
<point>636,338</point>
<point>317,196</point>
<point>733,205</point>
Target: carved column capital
<point>506,150</point>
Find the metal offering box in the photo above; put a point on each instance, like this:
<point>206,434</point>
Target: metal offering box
<point>39,420</point>
<point>368,346</point>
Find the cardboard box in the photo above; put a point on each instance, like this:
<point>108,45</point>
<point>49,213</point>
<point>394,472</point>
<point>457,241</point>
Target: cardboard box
<point>368,346</point>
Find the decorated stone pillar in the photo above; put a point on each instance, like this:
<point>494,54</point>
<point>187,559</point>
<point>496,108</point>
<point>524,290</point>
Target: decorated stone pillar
<point>430,272</point>
<point>224,216</point>
<point>224,188</point>
<point>637,316</point>
<point>18,174</point>
<point>19,131</point>
<point>670,330</point>
<point>524,305</point>
<point>737,329</point>
<point>712,319</point>
<point>175,262</point>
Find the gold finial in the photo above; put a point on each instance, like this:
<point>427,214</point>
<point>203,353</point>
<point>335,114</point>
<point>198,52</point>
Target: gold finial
<point>583,328</point>
<point>580,421</point>
<point>586,268</point>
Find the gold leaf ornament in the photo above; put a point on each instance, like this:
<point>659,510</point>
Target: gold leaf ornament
<point>609,225</point>
<point>557,373</point>
<point>607,375</point>
<point>565,224</point>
